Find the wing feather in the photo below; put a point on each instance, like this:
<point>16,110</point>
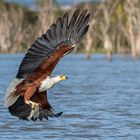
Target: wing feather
<point>63,33</point>
<point>72,23</point>
<point>65,25</point>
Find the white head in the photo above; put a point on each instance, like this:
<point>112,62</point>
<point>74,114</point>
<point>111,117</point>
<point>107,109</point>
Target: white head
<point>49,82</point>
<point>60,78</point>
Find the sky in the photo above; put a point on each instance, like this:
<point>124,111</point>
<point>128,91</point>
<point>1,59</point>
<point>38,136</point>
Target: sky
<point>31,3</point>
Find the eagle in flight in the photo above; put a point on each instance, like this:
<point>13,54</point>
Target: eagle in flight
<point>26,96</point>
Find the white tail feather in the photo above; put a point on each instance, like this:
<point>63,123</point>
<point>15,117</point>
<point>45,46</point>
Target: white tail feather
<point>9,99</point>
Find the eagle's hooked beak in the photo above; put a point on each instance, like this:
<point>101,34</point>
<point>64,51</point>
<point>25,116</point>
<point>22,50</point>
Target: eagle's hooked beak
<point>63,77</point>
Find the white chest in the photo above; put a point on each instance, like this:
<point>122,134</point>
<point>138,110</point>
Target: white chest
<point>46,84</point>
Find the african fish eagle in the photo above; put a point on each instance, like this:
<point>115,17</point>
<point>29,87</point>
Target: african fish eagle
<point>26,97</point>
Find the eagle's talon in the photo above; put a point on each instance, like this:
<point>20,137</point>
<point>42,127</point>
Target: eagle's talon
<point>33,104</point>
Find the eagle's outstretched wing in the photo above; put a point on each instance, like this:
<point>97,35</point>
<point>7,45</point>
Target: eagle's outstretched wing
<point>62,33</point>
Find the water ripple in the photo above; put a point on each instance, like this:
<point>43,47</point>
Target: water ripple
<point>100,101</point>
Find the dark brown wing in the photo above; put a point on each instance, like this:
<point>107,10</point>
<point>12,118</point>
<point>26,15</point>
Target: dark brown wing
<point>41,97</point>
<point>46,109</point>
<point>22,110</point>
<point>62,33</point>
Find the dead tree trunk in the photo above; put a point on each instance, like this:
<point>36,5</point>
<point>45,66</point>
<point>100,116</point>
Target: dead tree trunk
<point>45,16</point>
<point>105,9</point>
<point>89,40</point>
<point>108,47</point>
<point>132,30</point>
<point>10,29</point>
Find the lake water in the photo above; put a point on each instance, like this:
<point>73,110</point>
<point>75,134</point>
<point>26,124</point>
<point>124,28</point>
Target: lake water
<point>100,101</point>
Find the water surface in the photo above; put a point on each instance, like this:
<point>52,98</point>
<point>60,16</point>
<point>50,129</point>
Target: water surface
<point>100,101</point>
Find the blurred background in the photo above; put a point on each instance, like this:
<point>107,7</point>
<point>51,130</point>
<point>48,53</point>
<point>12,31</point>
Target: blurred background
<point>114,24</point>
<point>101,99</point>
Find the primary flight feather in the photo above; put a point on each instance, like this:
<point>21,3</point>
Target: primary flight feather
<point>26,97</point>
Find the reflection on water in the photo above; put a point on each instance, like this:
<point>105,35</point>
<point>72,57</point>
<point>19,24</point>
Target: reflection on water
<point>101,101</point>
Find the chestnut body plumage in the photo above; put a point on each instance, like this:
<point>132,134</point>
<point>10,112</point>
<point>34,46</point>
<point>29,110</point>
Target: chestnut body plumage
<point>27,99</point>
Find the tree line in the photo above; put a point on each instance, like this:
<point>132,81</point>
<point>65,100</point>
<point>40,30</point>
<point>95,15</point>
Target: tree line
<point>114,26</point>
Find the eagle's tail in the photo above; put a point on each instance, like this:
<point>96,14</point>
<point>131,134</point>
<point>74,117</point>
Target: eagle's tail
<point>10,99</point>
